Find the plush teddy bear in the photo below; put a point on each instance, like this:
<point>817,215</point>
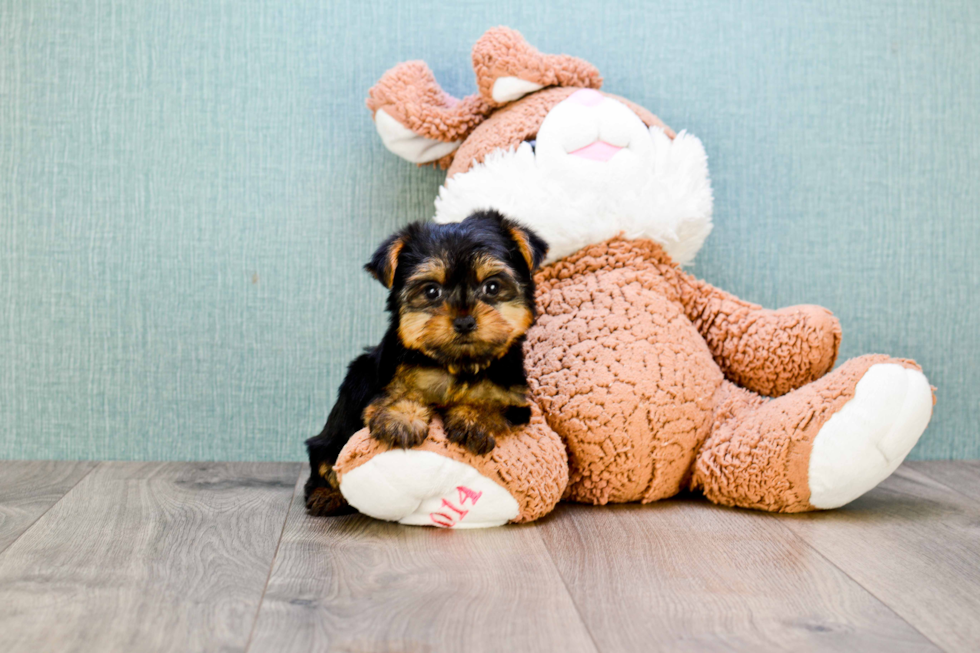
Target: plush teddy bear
<point>645,381</point>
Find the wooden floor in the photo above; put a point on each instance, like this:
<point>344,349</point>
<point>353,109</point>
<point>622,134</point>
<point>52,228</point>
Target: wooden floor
<point>221,556</point>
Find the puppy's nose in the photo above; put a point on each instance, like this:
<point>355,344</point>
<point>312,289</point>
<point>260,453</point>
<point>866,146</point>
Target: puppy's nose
<point>464,325</point>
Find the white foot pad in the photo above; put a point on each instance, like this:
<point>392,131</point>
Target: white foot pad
<point>422,488</point>
<point>869,437</point>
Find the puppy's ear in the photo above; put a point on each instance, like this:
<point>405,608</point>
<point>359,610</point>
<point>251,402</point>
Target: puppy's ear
<point>385,260</point>
<point>530,244</point>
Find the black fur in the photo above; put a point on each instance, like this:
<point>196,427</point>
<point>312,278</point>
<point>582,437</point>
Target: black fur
<point>369,374</point>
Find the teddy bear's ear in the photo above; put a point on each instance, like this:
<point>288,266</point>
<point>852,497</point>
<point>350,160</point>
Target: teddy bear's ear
<point>419,121</point>
<point>507,68</point>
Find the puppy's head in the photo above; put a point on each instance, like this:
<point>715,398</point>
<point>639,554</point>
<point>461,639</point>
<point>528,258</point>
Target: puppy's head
<point>461,293</point>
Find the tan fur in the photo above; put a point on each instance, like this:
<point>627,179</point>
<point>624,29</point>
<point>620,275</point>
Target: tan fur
<point>411,412</point>
<point>396,249</point>
<point>492,327</point>
<point>412,328</point>
<point>429,270</point>
<point>486,266</point>
<point>522,243</point>
<point>497,327</point>
<point>518,316</point>
<point>476,425</point>
<point>473,410</point>
<point>489,394</point>
<point>439,387</point>
<point>469,416</point>
<point>399,419</point>
<point>434,337</point>
<point>428,385</point>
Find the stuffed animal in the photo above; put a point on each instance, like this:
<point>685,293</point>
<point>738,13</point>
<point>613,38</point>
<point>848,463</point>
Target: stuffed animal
<point>645,380</point>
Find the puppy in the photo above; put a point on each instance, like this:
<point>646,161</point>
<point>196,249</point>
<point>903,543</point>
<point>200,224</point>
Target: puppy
<point>461,300</point>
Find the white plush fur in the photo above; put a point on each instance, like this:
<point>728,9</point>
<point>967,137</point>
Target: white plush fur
<point>654,187</point>
<point>407,144</point>
<point>508,89</point>
<point>422,488</point>
<point>869,437</point>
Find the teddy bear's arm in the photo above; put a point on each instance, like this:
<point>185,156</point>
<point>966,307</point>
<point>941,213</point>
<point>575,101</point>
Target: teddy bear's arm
<point>767,351</point>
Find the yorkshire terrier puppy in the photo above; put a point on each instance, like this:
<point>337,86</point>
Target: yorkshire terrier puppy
<point>461,300</point>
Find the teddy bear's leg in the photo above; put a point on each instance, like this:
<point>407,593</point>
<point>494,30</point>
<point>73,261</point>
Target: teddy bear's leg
<point>771,352</point>
<point>818,447</point>
<point>440,483</point>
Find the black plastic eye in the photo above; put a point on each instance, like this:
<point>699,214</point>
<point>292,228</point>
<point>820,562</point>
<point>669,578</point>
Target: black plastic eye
<point>491,288</point>
<point>432,292</point>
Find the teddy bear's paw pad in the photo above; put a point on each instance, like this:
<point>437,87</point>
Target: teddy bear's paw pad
<point>423,488</point>
<point>869,437</point>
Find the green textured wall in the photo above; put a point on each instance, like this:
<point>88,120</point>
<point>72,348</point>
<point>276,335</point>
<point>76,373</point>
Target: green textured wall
<point>188,190</point>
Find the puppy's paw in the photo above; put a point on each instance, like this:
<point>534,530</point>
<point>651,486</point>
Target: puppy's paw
<point>403,423</point>
<point>474,428</point>
<point>327,502</point>
<point>474,437</point>
<point>323,497</point>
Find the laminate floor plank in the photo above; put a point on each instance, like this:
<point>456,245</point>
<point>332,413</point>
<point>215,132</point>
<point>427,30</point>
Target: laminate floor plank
<point>913,543</point>
<point>147,557</point>
<point>183,556</point>
<point>685,575</point>
<point>28,488</point>
<point>355,584</point>
<point>962,476</point>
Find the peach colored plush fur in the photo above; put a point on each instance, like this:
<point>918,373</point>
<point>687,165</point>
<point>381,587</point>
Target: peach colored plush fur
<point>633,362</point>
<point>502,52</point>
<point>410,94</point>
<point>654,381</point>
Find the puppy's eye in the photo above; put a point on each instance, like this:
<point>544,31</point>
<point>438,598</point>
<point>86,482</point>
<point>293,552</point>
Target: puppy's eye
<point>491,288</point>
<point>432,292</point>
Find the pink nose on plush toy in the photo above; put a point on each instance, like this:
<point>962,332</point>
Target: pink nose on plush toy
<point>598,151</point>
<point>586,96</point>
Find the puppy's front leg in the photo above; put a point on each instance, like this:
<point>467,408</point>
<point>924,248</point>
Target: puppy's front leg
<point>475,427</point>
<point>399,421</point>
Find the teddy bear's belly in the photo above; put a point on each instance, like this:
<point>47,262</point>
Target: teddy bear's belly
<point>627,381</point>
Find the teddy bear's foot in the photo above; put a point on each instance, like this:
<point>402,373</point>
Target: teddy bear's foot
<point>442,483</point>
<point>819,446</point>
<point>868,438</point>
<point>423,488</point>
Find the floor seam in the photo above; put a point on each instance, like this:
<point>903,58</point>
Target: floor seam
<point>877,598</point>
<point>272,565</point>
<point>48,509</point>
<point>568,591</point>
<point>946,485</point>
